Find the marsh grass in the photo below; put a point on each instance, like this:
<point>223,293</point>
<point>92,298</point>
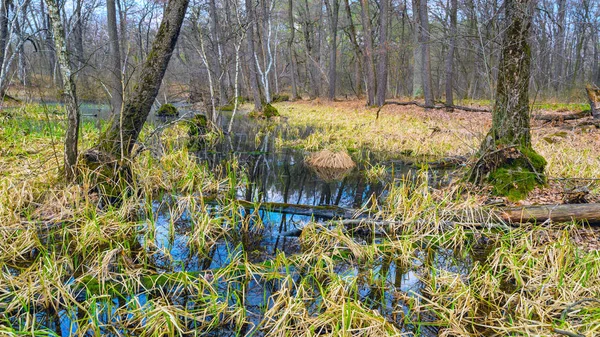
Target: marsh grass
<point>71,265</point>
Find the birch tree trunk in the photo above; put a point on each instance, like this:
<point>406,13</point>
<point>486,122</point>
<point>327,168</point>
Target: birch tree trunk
<point>72,134</point>
<point>124,129</point>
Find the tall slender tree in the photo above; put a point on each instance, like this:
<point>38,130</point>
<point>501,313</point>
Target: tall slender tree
<point>368,51</point>
<point>72,134</point>
<point>450,56</point>
<point>251,60</point>
<point>116,84</point>
<point>333,9</point>
<point>291,51</point>
<point>382,60</point>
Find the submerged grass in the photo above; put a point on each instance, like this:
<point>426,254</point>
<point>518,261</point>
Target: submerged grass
<point>70,265</point>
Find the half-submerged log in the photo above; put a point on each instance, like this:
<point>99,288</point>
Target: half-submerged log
<point>589,213</point>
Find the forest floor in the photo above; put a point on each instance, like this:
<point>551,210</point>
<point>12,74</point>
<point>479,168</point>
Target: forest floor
<point>183,254</point>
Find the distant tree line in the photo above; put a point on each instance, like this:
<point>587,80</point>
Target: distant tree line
<point>437,50</point>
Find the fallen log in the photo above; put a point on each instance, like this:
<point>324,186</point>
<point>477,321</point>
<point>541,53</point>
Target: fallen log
<point>589,213</point>
<point>319,211</point>
<point>562,117</point>
<point>438,107</point>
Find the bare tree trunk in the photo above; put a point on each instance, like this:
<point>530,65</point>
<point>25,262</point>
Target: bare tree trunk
<point>116,83</point>
<point>251,52</point>
<point>382,66</point>
<point>357,51</point>
<point>4,4</point>
<point>506,155</point>
<point>368,36</point>
<point>72,134</point>
<point>450,56</point>
<point>291,50</point>
<point>425,53</point>
<point>311,64</point>
<point>333,10</point>
<point>218,63</point>
<point>124,129</point>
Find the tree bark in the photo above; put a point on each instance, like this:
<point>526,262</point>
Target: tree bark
<point>116,83</point>
<point>450,55</point>
<point>357,51</point>
<point>218,63</point>
<point>382,66</point>
<point>506,155</point>
<point>370,65</point>
<point>252,62</point>
<point>124,129</point>
<point>291,50</point>
<point>425,52</point>
<point>3,36</point>
<point>72,134</point>
<point>333,9</point>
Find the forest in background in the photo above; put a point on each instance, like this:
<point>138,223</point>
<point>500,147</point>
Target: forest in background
<point>331,49</point>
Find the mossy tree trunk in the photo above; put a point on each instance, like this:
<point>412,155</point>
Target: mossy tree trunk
<point>506,158</point>
<point>72,134</point>
<point>124,129</point>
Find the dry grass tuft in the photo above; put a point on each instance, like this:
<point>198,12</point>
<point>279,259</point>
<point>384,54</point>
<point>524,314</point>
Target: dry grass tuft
<point>331,160</point>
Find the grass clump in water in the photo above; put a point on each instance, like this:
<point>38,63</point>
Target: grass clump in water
<point>167,110</point>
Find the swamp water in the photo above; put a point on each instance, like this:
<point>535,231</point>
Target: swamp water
<point>272,176</point>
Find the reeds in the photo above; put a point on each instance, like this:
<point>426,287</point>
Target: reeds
<point>69,264</point>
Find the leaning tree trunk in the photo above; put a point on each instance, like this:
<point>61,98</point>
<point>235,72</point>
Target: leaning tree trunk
<point>507,158</point>
<point>72,134</point>
<point>124,129</point>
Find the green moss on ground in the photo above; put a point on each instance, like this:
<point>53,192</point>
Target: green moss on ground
<point>270,111</point>
<point>167,110</point>
<point>519,176</point>
<point>280,98</point>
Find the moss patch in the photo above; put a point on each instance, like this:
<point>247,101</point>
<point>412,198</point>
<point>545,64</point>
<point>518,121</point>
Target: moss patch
<point>281,98</point>
<point>270,111</point>
<point>519,175</point>
<point>167,110</point>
